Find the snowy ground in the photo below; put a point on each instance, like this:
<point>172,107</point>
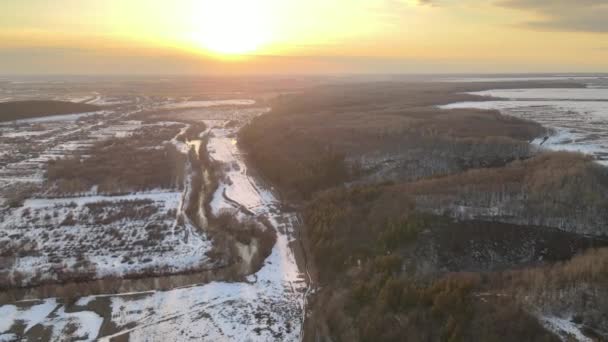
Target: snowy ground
<point>106,235</point>
<point>564,328</point>
<point>577,116</point>
<point>86,233</point>
<point>49,314</point>
<point>28,144</point>
<point>269,305</point>
<point>238,191</point>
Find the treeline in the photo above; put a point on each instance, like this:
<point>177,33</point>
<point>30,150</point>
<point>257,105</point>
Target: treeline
<point>377,303</point>
<point>589,267</point>
<point>18,110</point>
<point>366,245</point>
<point>300,172</point>
<point>562,190</point>
<point>347,226</point>
<point>575,289</point>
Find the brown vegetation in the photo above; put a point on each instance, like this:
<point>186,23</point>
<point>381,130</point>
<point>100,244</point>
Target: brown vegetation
<point>366,242</point>
<point>563,190</point>
<point>456,190</point>
<point>227,231</point>
<point>122,165</point>
<point>16,194</point>
<point>375,303</point>
<point>328,135</point>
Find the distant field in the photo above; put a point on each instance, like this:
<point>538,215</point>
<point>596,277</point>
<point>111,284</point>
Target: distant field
<point>18,110</point>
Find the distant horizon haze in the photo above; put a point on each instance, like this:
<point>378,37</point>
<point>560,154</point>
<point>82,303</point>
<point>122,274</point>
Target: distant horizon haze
<point>266,37</point>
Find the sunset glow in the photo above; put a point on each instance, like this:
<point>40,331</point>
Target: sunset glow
<point>231,27</point>
<point>360,36</point>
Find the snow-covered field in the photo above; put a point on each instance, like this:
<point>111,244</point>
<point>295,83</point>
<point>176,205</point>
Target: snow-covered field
<point>28,145</point>
<point>98,236</point>
<point>105,235</point>
<point>49,314</point>
<point>564,328</point>
<point>268,305</point>
<point>578,117</point>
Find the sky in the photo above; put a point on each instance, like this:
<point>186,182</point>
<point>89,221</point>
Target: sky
<point>302,36</point>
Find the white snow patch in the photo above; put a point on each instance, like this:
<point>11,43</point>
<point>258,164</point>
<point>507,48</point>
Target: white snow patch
<point>31,316</point>
<point>8,338</point>
<point>579,120</point>
<point>564,328</point>
<point>87,325</point>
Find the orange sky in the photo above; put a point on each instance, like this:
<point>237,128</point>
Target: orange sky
<point>302,36</point>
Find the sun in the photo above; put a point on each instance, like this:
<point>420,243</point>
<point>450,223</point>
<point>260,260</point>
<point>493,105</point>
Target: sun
<point>232,27</point>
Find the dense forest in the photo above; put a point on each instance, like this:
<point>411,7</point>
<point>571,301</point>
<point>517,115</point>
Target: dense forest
<point>433,225</point>
<point>378,132</point>
<point>558,189</point>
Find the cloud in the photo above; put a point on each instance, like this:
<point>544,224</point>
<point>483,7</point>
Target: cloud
<point>564,15</point>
